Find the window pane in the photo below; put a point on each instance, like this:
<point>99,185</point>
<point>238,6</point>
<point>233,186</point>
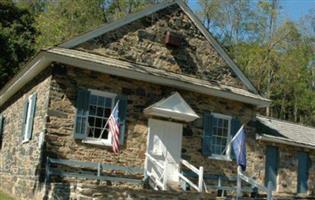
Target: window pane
<point>97,132</point>
<point>91,132</point>
<point>108,102</point>
<point>92,110</point>
<point>83,125</point>
<point>91,121</point>
<point>226,123</point>
<point>93,99</point>
<point>101,101</point>
<point>107,112</point>
<point>215,122</point>
<point>105,134</point>
<point>78,125</point>
<point>100,111</point>
<point>98,123</point>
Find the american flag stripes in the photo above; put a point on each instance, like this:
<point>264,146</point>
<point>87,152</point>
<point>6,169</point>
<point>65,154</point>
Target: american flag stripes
<point>113,127</point>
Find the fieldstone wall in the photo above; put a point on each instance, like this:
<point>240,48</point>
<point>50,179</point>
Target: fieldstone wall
<point>60,141</point>
<point>142,41</point>
<point>61,144</point>
<point>21,164</point>
<point>86,191</point>
<point>288,166</point>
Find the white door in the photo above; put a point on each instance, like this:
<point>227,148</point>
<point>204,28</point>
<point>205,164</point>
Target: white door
<point>164,144</point>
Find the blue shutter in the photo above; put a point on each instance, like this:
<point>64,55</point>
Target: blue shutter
<point>207,134</point>
<point>123,111</point>
<point>235,126</point>
<point>1,129</point>
<point>29,130</point>
<point>82,104</point>
<point>272,160</point>
<point>24,118</point>
<point>1,124</point>
<point>303,172</point>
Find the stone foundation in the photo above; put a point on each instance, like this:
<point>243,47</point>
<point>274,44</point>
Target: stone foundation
<point>82,191</point>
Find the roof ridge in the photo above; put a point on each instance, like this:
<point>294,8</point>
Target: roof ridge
<point>284,121</point>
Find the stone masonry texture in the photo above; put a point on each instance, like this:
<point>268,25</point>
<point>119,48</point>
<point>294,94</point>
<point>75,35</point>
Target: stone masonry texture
<point>142,41</point>
<point>22,165</point>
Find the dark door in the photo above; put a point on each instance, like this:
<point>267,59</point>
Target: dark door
<point>303,168</point>
<point>272,160</point>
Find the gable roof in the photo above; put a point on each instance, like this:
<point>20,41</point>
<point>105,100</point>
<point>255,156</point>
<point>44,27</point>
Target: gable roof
<point>275,130</point>
<point>130,18</point>
<point>128,70</point>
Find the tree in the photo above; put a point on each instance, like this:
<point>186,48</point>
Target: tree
<point>67,18</point>
<point>17,36</point>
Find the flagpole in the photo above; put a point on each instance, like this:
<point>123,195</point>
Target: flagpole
<point>233,139</point>
<point>108,120</point>
<point>239,183</point>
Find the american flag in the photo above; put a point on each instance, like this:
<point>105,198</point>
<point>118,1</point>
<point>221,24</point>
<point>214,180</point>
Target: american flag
<point>113,126</point>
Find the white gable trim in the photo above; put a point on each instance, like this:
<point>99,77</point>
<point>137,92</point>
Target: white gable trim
<point>216,46</point>
<point>166,108</point>
<point>114,25</point>
<point>130,18</point>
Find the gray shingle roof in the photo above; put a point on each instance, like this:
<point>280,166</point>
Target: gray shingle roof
<point>147,70</point>
<point>286,131</point>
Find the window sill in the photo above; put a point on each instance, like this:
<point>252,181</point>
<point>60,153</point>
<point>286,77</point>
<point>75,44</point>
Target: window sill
<point>218,157</point>
<point>97,142</point>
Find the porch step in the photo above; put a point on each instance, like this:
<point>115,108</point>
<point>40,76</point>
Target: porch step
<point>174,186</point>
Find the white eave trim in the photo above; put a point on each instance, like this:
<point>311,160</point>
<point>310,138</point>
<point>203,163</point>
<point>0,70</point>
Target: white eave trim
<point>33,68</point>
<point>133,74</point>
<point>268,138</point>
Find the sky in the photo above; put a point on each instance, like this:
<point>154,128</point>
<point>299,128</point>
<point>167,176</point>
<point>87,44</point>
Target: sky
<point>291,9</point>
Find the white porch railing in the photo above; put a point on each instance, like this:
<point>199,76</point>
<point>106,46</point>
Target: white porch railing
<point>199,172</point>
<point>159,181</point>
<point>254,183</point>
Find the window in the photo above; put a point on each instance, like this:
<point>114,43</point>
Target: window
<point>220,135</point>
<point>28,118</point>
<point>93,109</point>
<point>100,108</point>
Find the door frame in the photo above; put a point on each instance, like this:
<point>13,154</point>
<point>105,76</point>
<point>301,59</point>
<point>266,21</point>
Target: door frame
<point>148,140</point>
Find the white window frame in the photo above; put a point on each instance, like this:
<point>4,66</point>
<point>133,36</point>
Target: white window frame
<point>28,118</point>
<point>227,155</point>
<point>97,141</point>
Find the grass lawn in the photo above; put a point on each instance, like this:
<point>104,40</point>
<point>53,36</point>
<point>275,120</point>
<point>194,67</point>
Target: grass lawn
<point>4,196</point>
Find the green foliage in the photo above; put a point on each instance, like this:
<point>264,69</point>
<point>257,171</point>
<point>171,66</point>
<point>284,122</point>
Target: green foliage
<point>64,19</point>
<point>4,196</point>
<point>17,36</point>
<point>275,56</point>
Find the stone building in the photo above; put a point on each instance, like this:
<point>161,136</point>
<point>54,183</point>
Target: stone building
<point>180,100</point>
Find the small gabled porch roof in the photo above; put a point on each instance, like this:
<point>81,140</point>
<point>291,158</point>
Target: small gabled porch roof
<point>174,107</point>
